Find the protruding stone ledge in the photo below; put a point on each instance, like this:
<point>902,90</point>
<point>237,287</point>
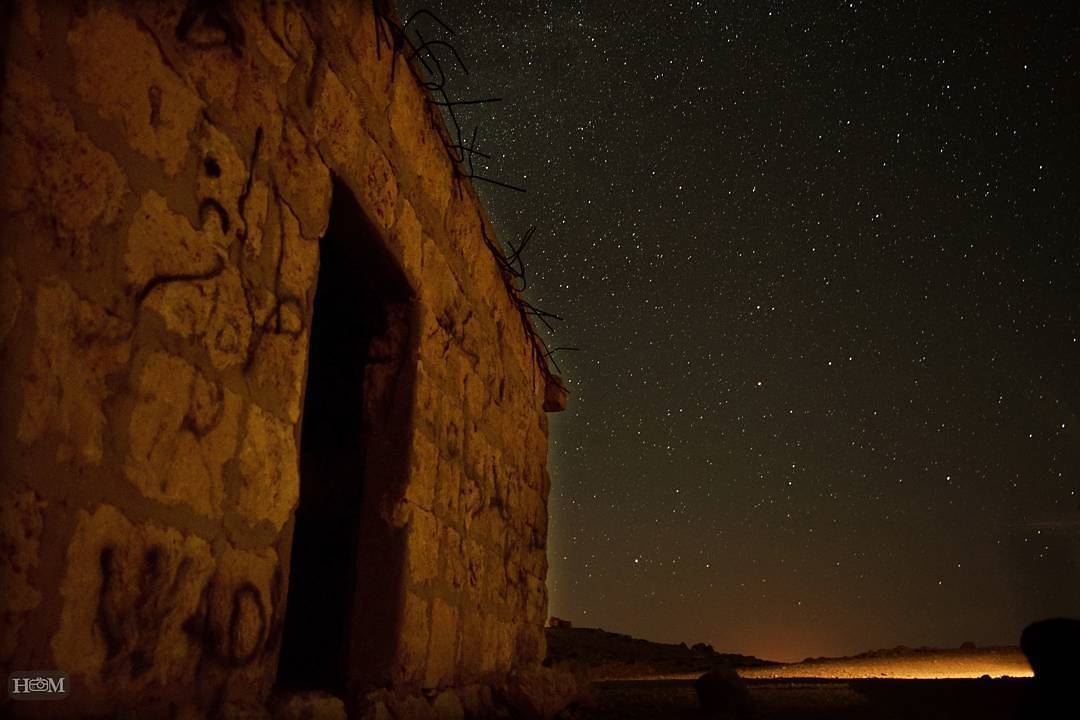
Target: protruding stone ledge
<point>555,395</point>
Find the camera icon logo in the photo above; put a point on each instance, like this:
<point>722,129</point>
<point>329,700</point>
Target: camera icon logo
<point>38,685</point>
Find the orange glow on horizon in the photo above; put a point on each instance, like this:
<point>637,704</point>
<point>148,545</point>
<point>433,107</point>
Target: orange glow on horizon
<point>933,665</point>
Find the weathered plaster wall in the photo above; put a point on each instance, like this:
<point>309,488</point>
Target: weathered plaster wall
<point>162,197</point>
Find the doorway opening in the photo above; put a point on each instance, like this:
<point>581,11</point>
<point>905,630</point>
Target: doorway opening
<point>358,343</point>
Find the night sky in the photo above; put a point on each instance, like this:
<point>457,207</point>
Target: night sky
<point>822,261</point>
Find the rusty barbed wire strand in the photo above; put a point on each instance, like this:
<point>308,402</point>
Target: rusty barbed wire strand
<point>421,55</point>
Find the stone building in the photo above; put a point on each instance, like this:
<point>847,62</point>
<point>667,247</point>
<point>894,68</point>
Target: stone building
<point>272,418</point>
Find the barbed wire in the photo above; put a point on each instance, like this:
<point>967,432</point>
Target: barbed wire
<point>429,68</point>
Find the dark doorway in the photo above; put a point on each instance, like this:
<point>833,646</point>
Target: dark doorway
<point>358,287</point>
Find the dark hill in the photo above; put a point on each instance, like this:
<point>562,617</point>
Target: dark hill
<point>613,655</point>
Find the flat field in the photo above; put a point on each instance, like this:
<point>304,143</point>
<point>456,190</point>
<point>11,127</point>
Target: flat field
<point>886,685</point>
<point>806,699</point>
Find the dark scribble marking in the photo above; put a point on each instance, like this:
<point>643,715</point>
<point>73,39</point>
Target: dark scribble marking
<point>234,654</point>
<point>211,167</point>
<point>241,202</point>
<point>209,204</point>
<point>217,14</point>
<point>153,96</point>
<point>298,306</point>
<point>318,68</point>
<point>159,280</point>
<point>107,618</point>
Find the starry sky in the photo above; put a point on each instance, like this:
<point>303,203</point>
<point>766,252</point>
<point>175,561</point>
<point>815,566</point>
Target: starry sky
<point>822,262</point>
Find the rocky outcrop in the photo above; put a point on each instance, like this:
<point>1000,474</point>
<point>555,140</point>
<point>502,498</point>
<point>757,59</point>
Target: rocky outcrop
<point>541,693</point>
<point>610,655</point>
<point>723,694</point>
<point>1052,647</point>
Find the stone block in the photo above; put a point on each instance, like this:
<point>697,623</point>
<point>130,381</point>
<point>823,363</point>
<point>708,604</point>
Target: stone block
<point>21,524</point>
<point>278,368</point>
<point>299,265</point>
<point>365,168</point>
<point>475,565</point>
<point>77,346</point>
<point>411,707</point>
<point>303,180</point>
<point>183,430</point>
<point>311,705</point>
<point>424,466</point>
<point>504,642</point>
<point>447,706</point>
<point>472,501</point>
<point>535,559</point>
<point>371,49</point>
<point>476,699</point>
<point>258,21</point>
<point>240,612</point>
<point>53,170</point>
<point>337,123</point>
<point>269,470</point>
<point>119,71</point>
<point>127,593</point>
<point>452,430</point>
<point>199,53</point>
<point>259,229</point>
<point>476,394</point>
<point>440,287</point>
<point>529,645</point>
<point>222,177</point>
<point>212,312</point>
<point>441,668</point>
<point>541,693</point>
<point>411,656</point>
<point>377,710</point>
<point>422,546</point>
<point>535,609</point>
<point>448,490</point>
<point>287,27</point>
<point>488,527</point>
<point>243,710</point>
<point>407,242</point>
<point>477,450</point>
<point>555,394</point>
<point>419,145</point>
<point>478,644</point>
<point>455,569</point>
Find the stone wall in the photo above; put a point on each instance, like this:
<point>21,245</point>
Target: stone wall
<point>168,172</point>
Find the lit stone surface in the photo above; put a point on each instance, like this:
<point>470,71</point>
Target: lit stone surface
<point>127,590</point>
<point>240,612</point>
<point>213,312</point>
<point>164,206</point>
<point>78,344</point>
<point>269,483</point>
<point>119,71</point>
<point>303,180</point>
<point>21,525</point>
<point>162,245</point>
<point>183,431</point>
<point>53,170</point>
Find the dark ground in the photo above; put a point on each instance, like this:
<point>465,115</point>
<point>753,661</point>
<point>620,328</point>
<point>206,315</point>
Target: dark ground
<point>816,699</point>
<point>611,655</point>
